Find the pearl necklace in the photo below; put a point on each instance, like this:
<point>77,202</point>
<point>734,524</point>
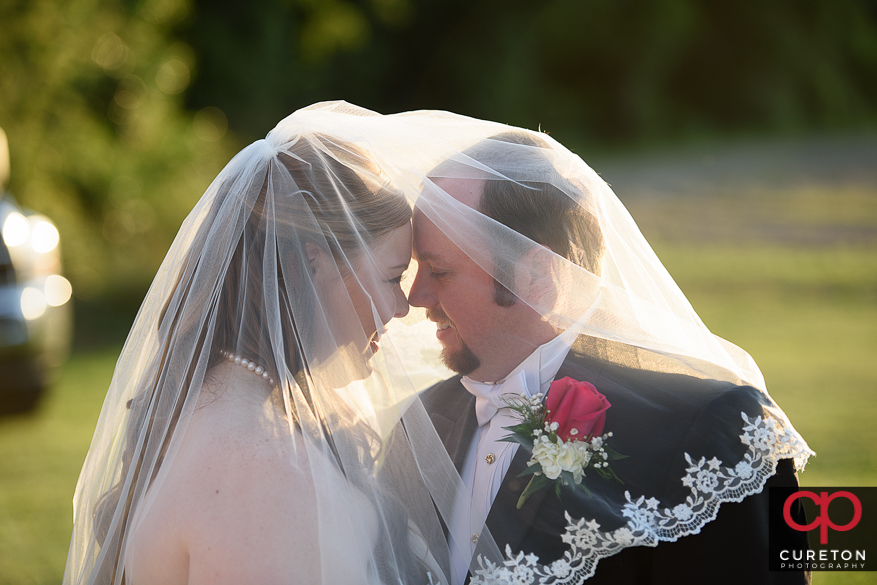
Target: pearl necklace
<point>250,365</point>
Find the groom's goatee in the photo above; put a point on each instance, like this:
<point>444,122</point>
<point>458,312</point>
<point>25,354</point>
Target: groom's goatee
<point>463,361</point>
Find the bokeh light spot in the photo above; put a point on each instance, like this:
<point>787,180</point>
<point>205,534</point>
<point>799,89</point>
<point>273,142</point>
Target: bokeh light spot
<point>33,303</point>
<point>131,92</point>
<point>15,230</point>
<point>210,124</point>
<point>110,52</point>
<point>45,237</point>
<point>173,77</point>
<point>58,290</point>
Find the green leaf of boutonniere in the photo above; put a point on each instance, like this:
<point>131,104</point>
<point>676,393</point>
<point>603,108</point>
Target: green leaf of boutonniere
<point>613,455</point>
<point>536,483</point>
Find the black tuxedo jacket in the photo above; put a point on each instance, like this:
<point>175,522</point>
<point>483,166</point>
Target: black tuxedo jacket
<point>655,419</point>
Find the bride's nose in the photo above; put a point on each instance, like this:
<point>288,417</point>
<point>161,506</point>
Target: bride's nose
<point>401,305</point>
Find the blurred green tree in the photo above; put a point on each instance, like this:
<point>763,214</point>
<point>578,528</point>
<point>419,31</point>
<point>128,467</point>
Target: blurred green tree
<point>99,137</point>
<point>259,61</point>
<point>606,71</point>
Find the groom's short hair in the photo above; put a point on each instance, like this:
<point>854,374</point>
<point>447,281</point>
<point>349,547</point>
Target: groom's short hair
<point>544,207</point>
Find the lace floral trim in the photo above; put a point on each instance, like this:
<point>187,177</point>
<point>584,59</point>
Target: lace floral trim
<point>711,484</point>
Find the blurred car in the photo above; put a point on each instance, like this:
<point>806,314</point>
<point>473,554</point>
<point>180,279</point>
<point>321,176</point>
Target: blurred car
<point>35,308</point>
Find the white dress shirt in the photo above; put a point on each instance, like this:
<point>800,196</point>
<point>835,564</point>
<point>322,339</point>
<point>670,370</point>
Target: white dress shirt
<point>488,458</point>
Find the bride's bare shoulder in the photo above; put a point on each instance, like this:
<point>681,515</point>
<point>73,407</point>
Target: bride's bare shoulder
<point>237,493</point>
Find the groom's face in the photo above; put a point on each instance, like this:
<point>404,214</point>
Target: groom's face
<point>479,337</point>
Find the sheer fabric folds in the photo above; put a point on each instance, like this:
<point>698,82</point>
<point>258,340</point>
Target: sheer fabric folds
<point>267,393</point>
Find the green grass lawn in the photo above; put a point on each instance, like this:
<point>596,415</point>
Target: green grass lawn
<point>40,458</point>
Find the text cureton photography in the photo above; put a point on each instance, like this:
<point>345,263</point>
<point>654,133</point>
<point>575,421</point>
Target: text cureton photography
<point>843,560</point>
<point>839,523</point>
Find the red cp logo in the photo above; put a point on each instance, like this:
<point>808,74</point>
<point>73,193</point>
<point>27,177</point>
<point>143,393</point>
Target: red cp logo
<point>824,522</point>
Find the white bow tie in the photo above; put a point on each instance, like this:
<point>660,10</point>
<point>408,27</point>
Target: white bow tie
<point>490,398</point>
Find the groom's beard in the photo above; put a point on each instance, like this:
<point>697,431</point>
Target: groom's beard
<point>463,360</point>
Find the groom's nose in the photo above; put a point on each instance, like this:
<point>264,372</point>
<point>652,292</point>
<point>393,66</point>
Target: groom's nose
<point>421,294</point>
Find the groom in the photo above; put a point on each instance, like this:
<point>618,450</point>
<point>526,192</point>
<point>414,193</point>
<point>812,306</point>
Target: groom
<point>501,346</point>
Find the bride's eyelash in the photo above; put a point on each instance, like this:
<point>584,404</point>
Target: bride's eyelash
<point>398,279</point>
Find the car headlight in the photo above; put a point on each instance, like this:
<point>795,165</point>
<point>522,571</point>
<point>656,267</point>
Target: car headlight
<point>44,237</point>
<point>16,230</point>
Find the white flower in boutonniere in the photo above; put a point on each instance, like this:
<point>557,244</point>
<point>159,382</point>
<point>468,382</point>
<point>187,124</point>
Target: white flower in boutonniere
<point>558,456</point>
<point>563,435</point>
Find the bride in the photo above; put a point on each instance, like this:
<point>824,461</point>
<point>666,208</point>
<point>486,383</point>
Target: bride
<point>248,434</point>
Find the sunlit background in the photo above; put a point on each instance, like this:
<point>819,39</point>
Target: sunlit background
<point>741,135</point>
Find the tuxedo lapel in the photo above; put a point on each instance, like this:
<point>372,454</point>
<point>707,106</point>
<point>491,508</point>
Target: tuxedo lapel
<point>463,431</point>
<point>452,411</point>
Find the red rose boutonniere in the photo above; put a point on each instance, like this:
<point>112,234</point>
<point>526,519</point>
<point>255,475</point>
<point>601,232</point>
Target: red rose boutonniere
<point>564,435</point>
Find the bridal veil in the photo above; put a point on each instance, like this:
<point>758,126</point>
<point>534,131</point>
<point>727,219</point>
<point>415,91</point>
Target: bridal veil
<point>278,292</point>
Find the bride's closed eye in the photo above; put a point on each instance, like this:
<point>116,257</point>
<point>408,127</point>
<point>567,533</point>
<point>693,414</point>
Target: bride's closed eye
<point>398,280</point>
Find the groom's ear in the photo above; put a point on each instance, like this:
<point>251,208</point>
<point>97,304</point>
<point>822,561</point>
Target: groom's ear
<point>535,277</point>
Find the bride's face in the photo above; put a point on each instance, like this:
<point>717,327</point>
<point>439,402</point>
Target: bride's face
<point>358,303</point>
<point>374,287</point>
